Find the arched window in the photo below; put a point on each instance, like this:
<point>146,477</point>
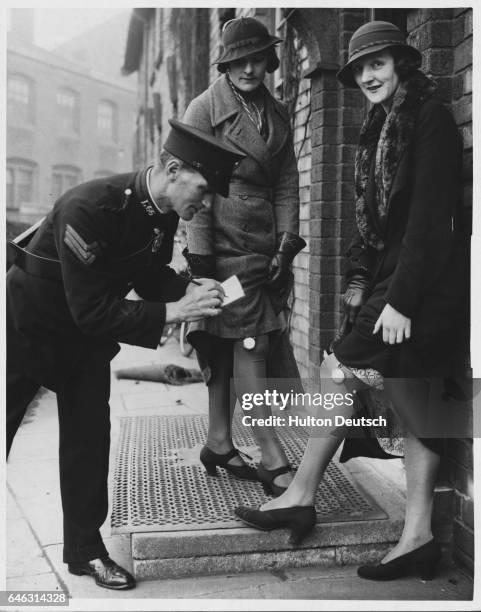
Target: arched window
<point>64,178</point>
<point>107,120</point>
<point>21,102</point>
<point>68,106</point>
<point>21,175</point>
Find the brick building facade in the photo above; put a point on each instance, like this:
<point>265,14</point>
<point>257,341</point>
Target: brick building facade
<point>326,119</point>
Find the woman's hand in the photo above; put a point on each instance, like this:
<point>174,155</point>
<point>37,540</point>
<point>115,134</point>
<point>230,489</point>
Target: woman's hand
<point>395,326</point>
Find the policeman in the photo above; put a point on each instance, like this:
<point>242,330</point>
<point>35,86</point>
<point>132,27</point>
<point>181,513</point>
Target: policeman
<point>67,310</point>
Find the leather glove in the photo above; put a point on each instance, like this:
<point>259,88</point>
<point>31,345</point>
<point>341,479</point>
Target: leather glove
<point>200,266</point>
<point>288,245</point>
<point>355,295</point>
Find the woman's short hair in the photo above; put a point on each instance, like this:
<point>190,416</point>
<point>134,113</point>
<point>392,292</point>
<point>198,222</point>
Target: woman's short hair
<point>405,64</point>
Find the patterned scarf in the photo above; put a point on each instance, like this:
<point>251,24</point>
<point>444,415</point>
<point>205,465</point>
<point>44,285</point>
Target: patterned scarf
<point>255,112</point>
<point>386,137</point>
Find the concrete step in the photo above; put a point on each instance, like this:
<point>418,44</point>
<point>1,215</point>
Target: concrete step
<point>175,554</point>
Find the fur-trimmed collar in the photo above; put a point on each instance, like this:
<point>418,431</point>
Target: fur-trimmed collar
<point>386,137</point>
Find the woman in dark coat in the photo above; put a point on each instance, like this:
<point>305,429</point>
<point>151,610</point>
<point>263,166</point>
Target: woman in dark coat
<point>253,234</point>
<point>406,295</point>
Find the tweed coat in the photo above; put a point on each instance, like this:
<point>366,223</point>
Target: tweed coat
<point>52,325</point>
<point>240,231</point>
<point>423,269</point>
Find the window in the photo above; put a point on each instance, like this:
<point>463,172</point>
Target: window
<point>107,120</point>
<point>63,179</point>
<point>21,108</point>
<point>68,111</point>
<point>20,183</point>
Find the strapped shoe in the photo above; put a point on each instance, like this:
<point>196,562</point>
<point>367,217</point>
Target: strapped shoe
<point>267,478</point>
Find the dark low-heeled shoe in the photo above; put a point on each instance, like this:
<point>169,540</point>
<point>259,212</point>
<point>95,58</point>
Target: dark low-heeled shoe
<point>421,561</point>
<point>211,461</point>
<point>299,519</point>
<point>267,478</point>
<point>105,572</point>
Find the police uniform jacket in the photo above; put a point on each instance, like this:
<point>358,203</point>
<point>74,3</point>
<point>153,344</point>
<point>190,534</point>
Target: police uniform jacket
<point>240,231</point>
<point>108,239</point>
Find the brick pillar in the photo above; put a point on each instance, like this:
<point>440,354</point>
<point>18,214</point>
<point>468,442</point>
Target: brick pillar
<point>336,119</point>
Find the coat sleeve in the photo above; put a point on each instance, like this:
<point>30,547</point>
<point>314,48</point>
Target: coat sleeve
<point>160,283</point>
<point>426,245</point>
<point>286,189</point>
<point>91,295</point>
<point>200,230</point>
<point>361,258</point>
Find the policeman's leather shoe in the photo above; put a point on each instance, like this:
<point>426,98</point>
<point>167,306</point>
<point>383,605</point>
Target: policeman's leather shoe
<point>105,572</point>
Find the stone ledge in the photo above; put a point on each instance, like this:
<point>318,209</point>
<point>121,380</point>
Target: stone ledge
<point>212,542</point>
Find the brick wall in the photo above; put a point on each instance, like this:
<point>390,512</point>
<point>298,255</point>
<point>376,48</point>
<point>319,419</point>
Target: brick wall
<point>302,146</point>
<point>336,118</point>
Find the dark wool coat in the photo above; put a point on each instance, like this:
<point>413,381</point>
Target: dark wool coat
<point>240,231</point>
<point>52,325</point>
<point>423,269</point>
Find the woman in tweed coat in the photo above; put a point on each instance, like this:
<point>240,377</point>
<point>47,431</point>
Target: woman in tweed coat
<point>253,234</point>
<point>407,292</point>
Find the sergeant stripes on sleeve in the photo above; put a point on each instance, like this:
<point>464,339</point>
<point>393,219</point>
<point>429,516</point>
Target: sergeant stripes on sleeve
<point>86,253</point>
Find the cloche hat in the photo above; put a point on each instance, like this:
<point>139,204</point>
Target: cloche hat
<point>243,36</point>
<point>370,38</point>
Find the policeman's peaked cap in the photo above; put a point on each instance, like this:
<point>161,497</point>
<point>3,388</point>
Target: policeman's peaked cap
<point>211,157</point>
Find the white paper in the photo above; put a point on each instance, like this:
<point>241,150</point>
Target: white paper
<point>233,290</point>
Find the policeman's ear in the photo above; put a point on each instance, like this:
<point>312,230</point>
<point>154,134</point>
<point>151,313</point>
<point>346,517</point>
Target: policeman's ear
<point>172,168</point>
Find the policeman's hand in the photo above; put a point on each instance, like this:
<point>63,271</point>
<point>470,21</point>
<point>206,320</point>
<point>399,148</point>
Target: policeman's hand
<point>355,296</point>
<point>204,300</point>
<point>395,326</point>
<point>193,284</point>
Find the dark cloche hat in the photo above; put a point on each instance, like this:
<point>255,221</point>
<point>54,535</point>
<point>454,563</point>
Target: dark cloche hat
<point>211,157</point>
<point>243,36</point>
<point>370,38</point>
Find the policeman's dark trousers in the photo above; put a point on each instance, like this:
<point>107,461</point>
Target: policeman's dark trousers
<point>84,435</point>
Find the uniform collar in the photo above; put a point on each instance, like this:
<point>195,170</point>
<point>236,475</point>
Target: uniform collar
<point>144,194</point>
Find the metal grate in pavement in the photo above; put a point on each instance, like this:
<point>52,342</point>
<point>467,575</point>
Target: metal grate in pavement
<point>160,484</point>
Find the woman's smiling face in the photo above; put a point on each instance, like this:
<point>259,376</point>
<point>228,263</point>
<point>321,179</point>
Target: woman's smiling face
<point>376,76</point>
